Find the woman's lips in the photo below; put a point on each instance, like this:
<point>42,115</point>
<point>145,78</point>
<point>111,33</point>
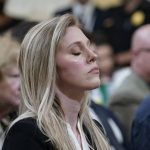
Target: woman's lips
<point>94,70</point>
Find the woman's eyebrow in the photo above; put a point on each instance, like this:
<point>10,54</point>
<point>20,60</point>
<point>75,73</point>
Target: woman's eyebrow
<point>79,43</point>
<point>74,44</point>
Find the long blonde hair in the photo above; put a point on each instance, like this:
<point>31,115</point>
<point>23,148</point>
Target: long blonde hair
<point>37,66</point>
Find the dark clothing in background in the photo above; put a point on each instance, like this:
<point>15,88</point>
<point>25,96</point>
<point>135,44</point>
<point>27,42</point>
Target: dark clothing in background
<point>97,17</point>
<point>140,135</point>
<point>6,22</point>
<point>108,119</point>
<point>119,25</point>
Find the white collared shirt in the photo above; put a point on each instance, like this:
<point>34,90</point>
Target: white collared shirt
<point>84,142</point>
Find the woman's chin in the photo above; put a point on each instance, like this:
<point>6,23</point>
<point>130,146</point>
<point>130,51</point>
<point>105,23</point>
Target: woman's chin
<point>95,84</point>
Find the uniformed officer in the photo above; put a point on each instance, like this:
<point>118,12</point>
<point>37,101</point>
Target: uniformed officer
<point>120,23</point>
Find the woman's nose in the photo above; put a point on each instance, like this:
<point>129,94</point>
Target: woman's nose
<point>91,57</point>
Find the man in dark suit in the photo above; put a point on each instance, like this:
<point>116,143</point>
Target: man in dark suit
<point>141,127</point>
<point>112,127</point>
<point>89,15</point>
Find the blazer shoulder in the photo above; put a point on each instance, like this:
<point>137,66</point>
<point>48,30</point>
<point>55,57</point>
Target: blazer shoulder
<point>25,134</point>
<point>27,125</point>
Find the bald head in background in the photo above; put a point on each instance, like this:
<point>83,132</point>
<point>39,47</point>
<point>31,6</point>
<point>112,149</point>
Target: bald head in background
<point>140,48</point>
<point>136,86</point>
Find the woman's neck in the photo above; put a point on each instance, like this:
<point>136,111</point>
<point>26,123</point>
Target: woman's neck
<point>70,107</point>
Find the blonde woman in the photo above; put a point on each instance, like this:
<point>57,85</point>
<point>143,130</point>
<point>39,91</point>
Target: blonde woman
<point>57,67</point>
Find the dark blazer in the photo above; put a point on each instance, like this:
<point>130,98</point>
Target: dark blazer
<point>106,117</point>
<point>119,25</point>
<point>98,16</point>
<point>25,135</point>
<point>140,135</point>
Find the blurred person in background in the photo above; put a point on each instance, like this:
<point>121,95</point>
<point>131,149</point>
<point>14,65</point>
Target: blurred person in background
<point>86,12</point>
<point>9,74</point>
<point>19,31</point>
<point>9,82</point>
<point>127,97</point>
<point>112,126</point>
<point>105,61</point>
<point>120,23</point>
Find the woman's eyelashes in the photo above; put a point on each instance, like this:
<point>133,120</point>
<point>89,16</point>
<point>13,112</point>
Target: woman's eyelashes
<point>79,49</point>
<point>76,53</point>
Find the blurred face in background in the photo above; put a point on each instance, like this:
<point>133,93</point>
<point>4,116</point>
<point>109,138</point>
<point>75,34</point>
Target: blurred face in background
<point>76,62</point>
<point>105,59</point>
<point>9,74</point>
<point>141,53</point>
<point>9,90</point>
<point>11,94</point>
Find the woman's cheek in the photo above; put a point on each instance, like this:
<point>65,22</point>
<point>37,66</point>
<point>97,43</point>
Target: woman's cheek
<point>71,64</point>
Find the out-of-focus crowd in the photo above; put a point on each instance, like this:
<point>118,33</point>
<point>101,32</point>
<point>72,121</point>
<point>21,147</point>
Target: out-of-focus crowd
<point>121,38</point>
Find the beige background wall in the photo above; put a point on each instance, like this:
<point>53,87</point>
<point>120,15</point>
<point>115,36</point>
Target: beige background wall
<point>38,10</point>
<point>107,3</point>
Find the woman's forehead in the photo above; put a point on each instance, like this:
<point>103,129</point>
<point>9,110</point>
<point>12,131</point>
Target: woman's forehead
<point>73,35</point>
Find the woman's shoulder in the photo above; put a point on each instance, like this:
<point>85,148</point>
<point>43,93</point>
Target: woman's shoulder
<point>26,125</point>
<point>26,121</point>
<point>25,134</point>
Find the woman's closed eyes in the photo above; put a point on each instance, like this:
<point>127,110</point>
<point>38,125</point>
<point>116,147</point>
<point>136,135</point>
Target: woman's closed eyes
<point>77,48</point>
